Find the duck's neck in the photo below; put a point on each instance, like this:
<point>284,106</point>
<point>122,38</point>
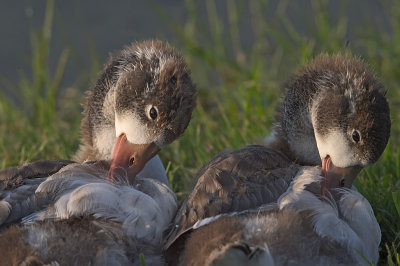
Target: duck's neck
<point>98,124</point>
<point>294,133</point>
<point>104,128</point>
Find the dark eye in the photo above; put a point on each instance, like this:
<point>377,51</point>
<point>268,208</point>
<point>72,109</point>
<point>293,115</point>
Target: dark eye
<point>356,136</point>
<point>153,113</point>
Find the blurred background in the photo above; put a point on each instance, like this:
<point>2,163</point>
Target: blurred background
<point>240,53</point>
<point>91,29</point>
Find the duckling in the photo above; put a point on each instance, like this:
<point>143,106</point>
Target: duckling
<point>142,102</point>
<point>304,227</point>
<point>333,113</point>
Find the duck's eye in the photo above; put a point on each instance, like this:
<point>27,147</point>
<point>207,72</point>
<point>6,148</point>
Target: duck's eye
<point>153,113</point>
<point>356,136</point>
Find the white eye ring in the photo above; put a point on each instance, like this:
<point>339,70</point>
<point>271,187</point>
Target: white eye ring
<point>151,112</point>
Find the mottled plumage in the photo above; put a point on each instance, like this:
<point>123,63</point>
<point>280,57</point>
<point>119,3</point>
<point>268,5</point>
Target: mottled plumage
<point>234,181</point>
<point>302,228</point>
<point>332,93</point>
<point>333,97</point>
<point>142,102</point>
<point>142,74</point>
<point>79,208</point>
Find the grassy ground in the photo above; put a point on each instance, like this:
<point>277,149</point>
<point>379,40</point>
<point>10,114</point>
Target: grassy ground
<point>239,87</point>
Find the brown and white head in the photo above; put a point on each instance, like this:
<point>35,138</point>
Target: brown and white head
<point>334,112</point>
<point>142,102</point>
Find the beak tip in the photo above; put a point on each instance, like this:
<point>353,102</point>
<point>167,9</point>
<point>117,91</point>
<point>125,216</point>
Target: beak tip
<point>123,152</point>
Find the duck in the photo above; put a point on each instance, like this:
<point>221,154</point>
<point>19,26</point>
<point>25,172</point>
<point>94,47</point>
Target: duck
<point>304,227</point>
<point>334,109</point>
<point>334,114</point>
<point>142,102</point>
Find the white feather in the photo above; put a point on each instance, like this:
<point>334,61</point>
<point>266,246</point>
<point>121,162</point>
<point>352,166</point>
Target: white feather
<point>358,213</point>
<point>80,190</point>
<point>350,222</point>
<point>136,132</point>
<point>335,144</point>
<point>104,141</point>
<point>207,220</point>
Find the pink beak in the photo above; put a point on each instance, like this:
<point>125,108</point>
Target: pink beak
<point>336,176</point>
<point>128,159</point>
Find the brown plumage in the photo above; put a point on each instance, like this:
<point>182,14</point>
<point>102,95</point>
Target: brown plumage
<point>136,77</point>
<point>334,96</point>
<point>302,228</point>
<point>339,92</point>
<point>77,217</point>
<point>14,249</point>
<point>76,241</point>
<point>291,224</point>
<point>14,176</point>
<point>144,97</point>
<point>142,74</point>
<point>230,182</point>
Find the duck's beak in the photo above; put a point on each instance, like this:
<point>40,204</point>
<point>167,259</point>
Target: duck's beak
<point>336,176</point>
<point>128,159</point>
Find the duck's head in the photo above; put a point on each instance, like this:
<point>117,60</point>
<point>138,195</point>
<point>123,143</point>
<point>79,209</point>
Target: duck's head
<point>144,101</point>
<point>154,99</point>
<point>350,117</point>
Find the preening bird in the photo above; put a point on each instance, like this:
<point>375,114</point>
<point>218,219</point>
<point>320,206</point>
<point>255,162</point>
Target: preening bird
<point>334,114</point>
<point>142,102</point>
<point>119,192</point>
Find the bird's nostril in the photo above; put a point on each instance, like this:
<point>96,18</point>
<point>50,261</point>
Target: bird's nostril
<point>131,161</point>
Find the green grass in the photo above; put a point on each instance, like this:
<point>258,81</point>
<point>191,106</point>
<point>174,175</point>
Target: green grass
<point>44,122</point>
<point>238,87</point>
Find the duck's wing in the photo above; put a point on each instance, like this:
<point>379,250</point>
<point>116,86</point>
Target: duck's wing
<point>16,176</point>
<point>162,195</point>
<point>271,237</point>
<point>21,201</point>
<point>144,209</point>
<point>31,197</point>
<point>57,189</point>
<point>302,227</point>
<point>234,181</point>
<point>18,185</point>
<point>221,240</point>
